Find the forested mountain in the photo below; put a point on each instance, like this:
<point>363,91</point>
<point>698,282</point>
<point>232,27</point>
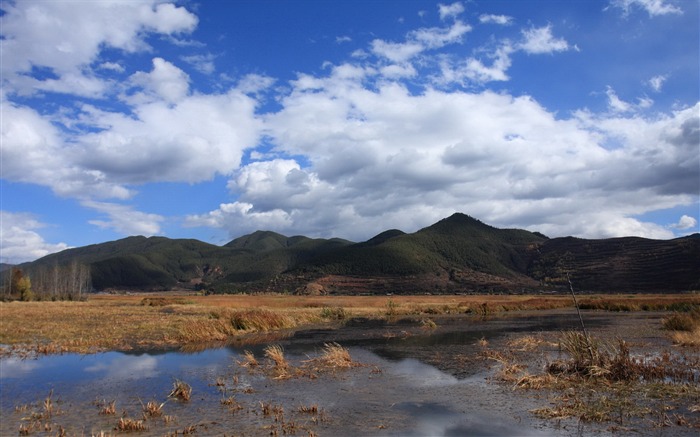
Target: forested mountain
<point>457,254</point>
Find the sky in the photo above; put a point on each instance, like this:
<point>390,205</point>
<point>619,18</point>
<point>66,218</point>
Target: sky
<point>210,120</point>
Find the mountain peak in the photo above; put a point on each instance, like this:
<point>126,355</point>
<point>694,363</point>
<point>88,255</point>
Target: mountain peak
<point>259,241</point>
<point>460,221</point>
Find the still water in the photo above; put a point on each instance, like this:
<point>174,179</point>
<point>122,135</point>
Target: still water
<point>406,385</point>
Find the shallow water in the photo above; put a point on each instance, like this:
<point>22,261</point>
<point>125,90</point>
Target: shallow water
<point>409,384</point>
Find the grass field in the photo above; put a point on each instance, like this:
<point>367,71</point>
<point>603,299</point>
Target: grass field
<point>125,322</point>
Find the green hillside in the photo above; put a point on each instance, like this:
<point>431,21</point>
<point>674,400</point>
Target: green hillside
<point>456,254</point>
<point>458,242</point>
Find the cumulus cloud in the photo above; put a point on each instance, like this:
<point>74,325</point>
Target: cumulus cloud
<point>66,40</point>
<point>538,40</point>
<point>652,7</point>
<point>419,40</point>
<point>686,223</point>
<point>165,82</point>
<point>615,104</point>
<point>382,154</point>
<point>503,20</point>
<point>124,220</point>
<point>450,11</point>
<point>657,82</point>
<point>20,241</point>
<point>203,63</point>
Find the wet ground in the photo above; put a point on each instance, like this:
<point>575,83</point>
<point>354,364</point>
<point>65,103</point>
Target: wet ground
<point>413,381</point>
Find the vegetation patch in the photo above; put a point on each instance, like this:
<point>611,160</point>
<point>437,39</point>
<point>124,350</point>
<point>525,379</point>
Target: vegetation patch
<point>684,328</point>
<point>181,390</point>
<point>277,363</point>
<point>333,356</point>
<point>603,381</point>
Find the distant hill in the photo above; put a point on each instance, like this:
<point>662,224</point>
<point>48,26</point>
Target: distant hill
<point>457,254</point>
<point>4,266</point>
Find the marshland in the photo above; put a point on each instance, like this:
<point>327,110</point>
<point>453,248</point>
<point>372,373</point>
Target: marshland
<point>168,364</point>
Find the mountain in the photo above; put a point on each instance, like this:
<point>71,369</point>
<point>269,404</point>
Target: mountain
<point>458,254</point>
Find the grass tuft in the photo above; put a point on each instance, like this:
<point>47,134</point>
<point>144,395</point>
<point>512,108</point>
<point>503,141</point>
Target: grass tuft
<point>336,356</point>
<point>126,424</point>
<point>428,324</point>
<point>335,313</point>
<point>249,360</point>
<point>108,408</point>
<point>153,409</point>
<point>181,390</point>
<point>278,362</point>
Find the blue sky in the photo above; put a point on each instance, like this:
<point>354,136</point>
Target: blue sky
<point>210,120</point>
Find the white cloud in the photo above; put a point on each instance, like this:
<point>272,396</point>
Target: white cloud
<point>202,63</point>
<point>685,223</point>
<point>66,37</point>
<point>538,40</point>
<point>113,66</point>
<point>124,220</point>
<point>165,82</point>
<point>34,151</point>
<point>652,7</point>
<point>657,82</point>
<point>396,52</point>
<point>191,141</point>
<point>420,40</point>
<point>615,104</point>
<point>382,155</point>
<point>436,37</point>
<point>473,70</point>
<point>503,20</point>
<point>342,39</point>
<point>451,10</point>
<point>19,241</point>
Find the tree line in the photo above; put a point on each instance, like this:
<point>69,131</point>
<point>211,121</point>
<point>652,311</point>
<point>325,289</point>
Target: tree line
<point>58,282</point>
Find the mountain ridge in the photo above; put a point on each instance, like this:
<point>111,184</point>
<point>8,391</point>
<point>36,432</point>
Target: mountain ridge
<point>458,254</point>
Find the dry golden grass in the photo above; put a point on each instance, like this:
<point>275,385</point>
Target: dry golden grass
<point>153,409</point>
<point>528,343</point>
<point>685,338</point>
<point>335,356</point>
<point>127,425</point>
<point>108,408</point>
<point>279,366</point>
<point>249,360</point>
<point>164,320</point>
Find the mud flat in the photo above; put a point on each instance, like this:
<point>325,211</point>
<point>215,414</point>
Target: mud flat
<point>407,376</point>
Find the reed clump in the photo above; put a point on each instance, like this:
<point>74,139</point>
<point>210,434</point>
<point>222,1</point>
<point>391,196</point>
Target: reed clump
<point>126,424</point>
<point>107,408</point>
<point>278,364</point>
<point>684,328</point>
<point>181,390</point>
<point>336,356</point>
<point>260,320</point>
<point>152,409</point>
<point>249,360</point>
